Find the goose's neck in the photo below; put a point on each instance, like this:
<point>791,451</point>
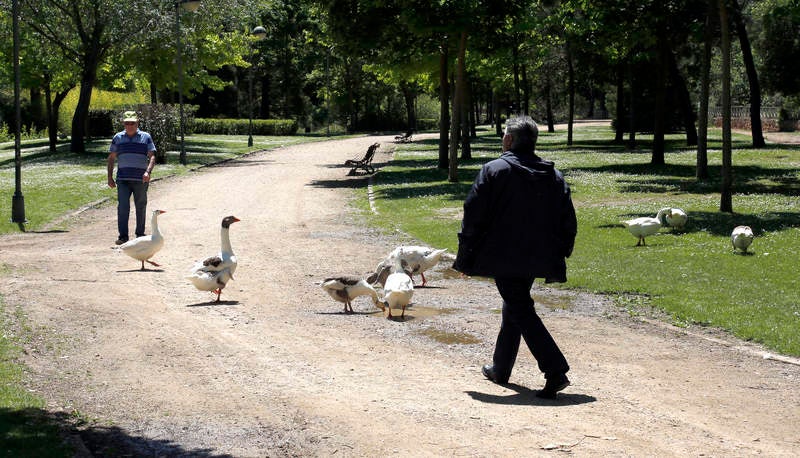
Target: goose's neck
<point>225,240</point>
<point>154,225</point>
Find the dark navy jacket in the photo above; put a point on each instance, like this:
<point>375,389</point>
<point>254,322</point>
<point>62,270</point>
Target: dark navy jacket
<point>519,221</point>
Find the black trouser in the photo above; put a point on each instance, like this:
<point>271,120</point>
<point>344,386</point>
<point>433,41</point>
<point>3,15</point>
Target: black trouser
<point>520,319</point>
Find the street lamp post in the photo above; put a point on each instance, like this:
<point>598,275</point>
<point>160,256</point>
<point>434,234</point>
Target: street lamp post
<point>188,5</point>
<point>18,200</point>
<point>259,33</point>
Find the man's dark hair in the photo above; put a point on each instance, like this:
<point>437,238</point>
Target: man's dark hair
<point>524,131</point>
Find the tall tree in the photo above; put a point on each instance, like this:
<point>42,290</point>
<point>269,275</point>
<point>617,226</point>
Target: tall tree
<point>705,82</point>
<point>726,195</point>
<point>752,75</point>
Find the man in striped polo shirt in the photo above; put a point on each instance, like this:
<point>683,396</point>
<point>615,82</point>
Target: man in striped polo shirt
<point>134,152</point>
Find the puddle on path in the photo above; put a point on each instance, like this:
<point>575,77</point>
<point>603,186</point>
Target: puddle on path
<point>417,312</point>
<point>553,303</point>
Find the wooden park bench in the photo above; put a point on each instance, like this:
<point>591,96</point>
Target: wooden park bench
<point>364,163</point>
<point>405,138</point>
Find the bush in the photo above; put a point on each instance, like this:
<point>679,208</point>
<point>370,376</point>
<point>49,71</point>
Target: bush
<point>427,124</point>
<point>241,126</point>
<point>101,123</point>
<point>161,121</point>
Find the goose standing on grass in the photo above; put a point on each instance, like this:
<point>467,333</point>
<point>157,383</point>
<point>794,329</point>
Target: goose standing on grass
<point>398,289</point>
<point>214,272</point>
<point>672,217</point>
<point>145,247</point>
<point>741,238</point>
<point>642,227</point>
<point>345,288</point>
<point>417,259</point>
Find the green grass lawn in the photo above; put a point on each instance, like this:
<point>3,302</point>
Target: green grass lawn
<point>693,275</point>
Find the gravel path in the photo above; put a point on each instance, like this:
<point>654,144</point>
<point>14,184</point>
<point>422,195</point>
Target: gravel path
<point>142,364</point>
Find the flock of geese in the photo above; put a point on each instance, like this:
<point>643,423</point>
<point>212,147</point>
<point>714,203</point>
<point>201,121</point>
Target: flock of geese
<point>210,274</point>
<point>676,218</point>
<point>393,276</point>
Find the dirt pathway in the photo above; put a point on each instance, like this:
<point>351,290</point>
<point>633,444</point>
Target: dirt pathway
<point>145,364</point>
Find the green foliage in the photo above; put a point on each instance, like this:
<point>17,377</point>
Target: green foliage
<point>242,126</point>
<point>694,275</point>
<point>781,61</point>
<point>427,124</point>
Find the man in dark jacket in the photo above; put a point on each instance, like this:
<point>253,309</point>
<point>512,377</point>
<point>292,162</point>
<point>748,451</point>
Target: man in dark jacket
<point>519,224</point>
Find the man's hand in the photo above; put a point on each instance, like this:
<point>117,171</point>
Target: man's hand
<point>146,177</point>
<point>111,182</point>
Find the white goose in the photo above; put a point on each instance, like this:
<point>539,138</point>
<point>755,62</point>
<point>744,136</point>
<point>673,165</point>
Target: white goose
<point>345,288</point>
<point>145,247</point>
<point>672,217</point>
<point>398,289</point>
<point>417,259</point>
<point>642,227</point>
<point>214,272</point>
<point>741,238</point>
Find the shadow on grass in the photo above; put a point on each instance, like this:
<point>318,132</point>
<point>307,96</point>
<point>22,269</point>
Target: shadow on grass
<point>748,179</point>
<point>36,432</point>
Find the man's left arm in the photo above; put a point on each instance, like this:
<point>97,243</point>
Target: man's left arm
<point>151,162</point>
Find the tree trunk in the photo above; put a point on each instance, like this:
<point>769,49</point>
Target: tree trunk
<point>53,106</point>
<point>38,112</point>
<point>153,94</point>
<point>660,108</point>
<point>571,89</point>
<point>408,98</point>
<point>517,102</point>
<point>265,111</point>
<point>466,102</point>
<point>685,99</point>
<point>726,197</point>
<point>526,96</point>
<point>631,108</point>
<point>619,130</point>
<point>752,76</point>
<point>88,78</point>
<point>548,102</point>
<point>705,81</point>
<point>458,100</point>
<point>444,108</point>
<point>498,125</point>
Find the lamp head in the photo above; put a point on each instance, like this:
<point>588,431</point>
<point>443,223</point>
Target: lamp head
<point>259,33</point>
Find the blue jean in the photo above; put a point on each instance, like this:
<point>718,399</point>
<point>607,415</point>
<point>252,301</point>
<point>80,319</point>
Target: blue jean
<point>520,321</point>
<point>126,188</point>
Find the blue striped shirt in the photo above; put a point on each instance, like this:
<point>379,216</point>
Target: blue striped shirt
<point>132,152</point>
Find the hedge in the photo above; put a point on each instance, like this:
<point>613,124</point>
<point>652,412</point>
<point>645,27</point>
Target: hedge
<point>427,124</point>
<point>214,126</point>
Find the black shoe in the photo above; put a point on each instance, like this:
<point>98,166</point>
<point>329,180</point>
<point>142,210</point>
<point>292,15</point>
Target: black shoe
<point>489,372</point>
<point>552,386</point>
<point>121,240</point>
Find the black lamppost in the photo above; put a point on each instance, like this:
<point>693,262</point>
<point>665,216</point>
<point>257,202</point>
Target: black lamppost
<point>188,5</point>
<point>18,200</point>
<point>258,33</point>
